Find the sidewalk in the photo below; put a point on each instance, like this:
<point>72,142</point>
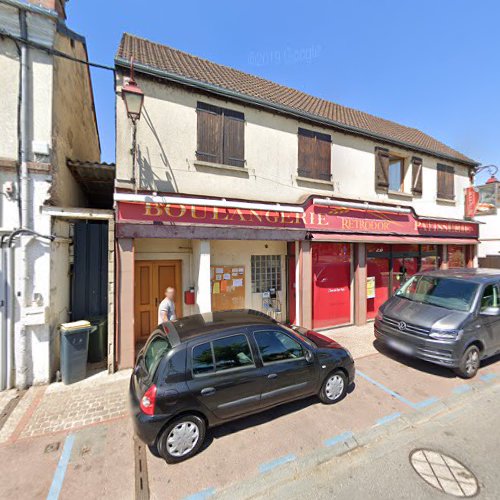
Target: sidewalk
<point>358,339</point>
<point>49,409</point>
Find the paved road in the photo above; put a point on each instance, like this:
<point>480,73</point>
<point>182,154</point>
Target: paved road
<point>383,471</point>
<point>99,460</point>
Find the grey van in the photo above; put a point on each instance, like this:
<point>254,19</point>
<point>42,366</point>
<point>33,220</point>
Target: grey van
<point>451,318</point>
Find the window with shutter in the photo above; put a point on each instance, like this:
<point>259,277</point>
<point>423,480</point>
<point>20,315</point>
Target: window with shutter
<point>416,185</point>
<point>221,135</point>
<point>382,160</point>
<point>445,182</point>
<point>314,155</point>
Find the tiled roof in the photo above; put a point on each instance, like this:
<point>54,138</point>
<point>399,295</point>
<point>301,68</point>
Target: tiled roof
<point>186,66</point>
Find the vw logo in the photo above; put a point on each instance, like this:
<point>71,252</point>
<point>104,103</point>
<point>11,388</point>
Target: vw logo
<point>402,326</point>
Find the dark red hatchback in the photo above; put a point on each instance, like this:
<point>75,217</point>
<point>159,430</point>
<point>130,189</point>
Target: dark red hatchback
<point>207,369</point>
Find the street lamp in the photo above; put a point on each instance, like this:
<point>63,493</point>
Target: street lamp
<point>133,96</point>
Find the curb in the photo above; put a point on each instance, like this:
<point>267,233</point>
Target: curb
<point>353,442</point>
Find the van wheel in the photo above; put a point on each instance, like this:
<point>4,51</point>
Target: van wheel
<point>334,388</point>
<point>182,438</point>
<point>469,363</point>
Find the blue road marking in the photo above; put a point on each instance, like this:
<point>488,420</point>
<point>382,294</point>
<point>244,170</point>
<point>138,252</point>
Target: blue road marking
<point>462,388</point>
<point>338,439</point>
<point>57,481</point>
<point>403,400</point>
<point>487,377</point>
<point>266,467</point>
<point>201,495</point>
<point>388,418</point>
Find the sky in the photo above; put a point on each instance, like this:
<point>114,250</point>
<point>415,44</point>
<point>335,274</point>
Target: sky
<point>429,64</point>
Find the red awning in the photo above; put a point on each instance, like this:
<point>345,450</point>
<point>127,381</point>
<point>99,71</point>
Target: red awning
<point>381,238</point>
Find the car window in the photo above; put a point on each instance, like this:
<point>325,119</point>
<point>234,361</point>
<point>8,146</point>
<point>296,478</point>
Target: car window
<point>232,352</point>
<point>154,352</point>
<point>490,297</point>
<point>277,346</point>
<point>203,361</point>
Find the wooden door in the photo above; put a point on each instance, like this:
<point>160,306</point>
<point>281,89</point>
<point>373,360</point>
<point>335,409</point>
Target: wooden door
<point>152,277</point>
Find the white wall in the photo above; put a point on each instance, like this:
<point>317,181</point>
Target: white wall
<point>489,235</point>
<point>167,162</point>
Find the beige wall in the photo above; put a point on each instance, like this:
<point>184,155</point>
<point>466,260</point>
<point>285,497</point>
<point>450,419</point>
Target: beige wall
<point>167,163</point>
<point>75,129</point>
<point>223,253</point>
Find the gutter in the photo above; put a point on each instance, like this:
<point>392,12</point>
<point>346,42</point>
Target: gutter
<point>190,82</point>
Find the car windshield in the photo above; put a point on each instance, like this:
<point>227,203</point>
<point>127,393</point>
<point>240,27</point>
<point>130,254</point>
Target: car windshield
<point>454,294</point>
<point>300,332</point>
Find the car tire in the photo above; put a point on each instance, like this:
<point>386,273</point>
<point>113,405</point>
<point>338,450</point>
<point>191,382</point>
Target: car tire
<point>153,448</point>
<point>182,438</point>
<point>334,388</point>
<point>469,362</point>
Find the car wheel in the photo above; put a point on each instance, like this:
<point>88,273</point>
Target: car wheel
<point>334,388</point>
<point>182,438</point>
<point>153,448</point>
<point>469,363</point>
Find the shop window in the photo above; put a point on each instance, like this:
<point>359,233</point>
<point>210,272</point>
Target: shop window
<point>314,155</point>
<point>221,135</point>
<point>445,182</point>
<point>266,273</point>
<point>456,256</point>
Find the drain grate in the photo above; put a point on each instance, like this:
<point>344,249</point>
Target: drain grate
<point>444,473</point>
<point>141,471</point>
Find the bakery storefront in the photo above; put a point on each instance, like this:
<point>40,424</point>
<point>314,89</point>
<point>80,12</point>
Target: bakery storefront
<point>321,264</point>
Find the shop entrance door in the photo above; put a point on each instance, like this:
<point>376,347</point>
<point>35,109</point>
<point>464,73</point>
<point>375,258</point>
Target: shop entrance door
<point>152,277</point>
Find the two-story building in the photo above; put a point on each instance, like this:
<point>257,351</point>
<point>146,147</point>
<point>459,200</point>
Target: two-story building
<point>243,193</point>
<point>47,117</point>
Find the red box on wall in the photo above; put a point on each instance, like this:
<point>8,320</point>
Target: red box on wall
<point>189,297</point>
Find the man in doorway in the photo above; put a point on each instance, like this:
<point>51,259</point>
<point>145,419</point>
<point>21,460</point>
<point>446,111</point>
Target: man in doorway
<point>166,311</point>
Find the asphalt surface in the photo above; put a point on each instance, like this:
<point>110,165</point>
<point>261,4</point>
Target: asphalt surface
<point>382,470</point>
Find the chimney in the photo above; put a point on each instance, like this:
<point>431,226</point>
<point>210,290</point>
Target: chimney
<point>58,5</point>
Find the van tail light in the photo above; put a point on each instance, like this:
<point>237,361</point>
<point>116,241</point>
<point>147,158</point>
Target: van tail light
<point>148,401</point>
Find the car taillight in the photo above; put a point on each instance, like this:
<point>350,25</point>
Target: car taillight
<point>148,401</point>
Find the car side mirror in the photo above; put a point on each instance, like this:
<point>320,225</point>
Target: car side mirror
<point>491,311</point>
<point>309,356</point>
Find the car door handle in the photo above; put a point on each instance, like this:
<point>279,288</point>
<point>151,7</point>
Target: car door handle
<point>208,391</point>
<point>272,375</point>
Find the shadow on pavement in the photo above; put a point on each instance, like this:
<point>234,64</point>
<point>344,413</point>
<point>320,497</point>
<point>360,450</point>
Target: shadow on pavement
<point>264,417</point>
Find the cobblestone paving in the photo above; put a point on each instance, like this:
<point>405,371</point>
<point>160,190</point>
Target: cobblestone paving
<point>70,407</point>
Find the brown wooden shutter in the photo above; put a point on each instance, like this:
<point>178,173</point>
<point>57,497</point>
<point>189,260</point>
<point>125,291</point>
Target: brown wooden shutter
<point>234,138</point>
<point>445,182</point>
<point>210,129</point>
<point>381,169</point>
<point>416,184</point>
<point>315,153</point>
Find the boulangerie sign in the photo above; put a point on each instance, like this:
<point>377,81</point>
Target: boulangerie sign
<point>314,217</point>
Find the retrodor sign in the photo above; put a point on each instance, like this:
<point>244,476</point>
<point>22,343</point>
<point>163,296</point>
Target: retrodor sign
<point>314,218</point>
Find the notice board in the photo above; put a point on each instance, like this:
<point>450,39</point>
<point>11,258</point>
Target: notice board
<point>228,287</point>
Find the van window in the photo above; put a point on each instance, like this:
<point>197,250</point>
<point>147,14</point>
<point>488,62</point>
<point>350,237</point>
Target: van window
<point>490,297</point>
<point>154,353</point>
<point>449,293</point>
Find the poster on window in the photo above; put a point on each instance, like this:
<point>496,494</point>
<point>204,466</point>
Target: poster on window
<point>370,287</point>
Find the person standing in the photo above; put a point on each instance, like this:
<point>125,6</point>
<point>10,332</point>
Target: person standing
<point>166,310</point>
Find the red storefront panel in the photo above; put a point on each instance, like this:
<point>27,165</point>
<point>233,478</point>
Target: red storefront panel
<point>331,270</point>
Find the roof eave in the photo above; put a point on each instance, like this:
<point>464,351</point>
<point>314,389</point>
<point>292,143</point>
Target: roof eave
<point>190,82</point>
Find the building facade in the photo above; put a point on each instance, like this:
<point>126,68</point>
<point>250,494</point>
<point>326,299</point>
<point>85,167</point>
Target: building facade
<point>47,115</point>
<point>242,193</point>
